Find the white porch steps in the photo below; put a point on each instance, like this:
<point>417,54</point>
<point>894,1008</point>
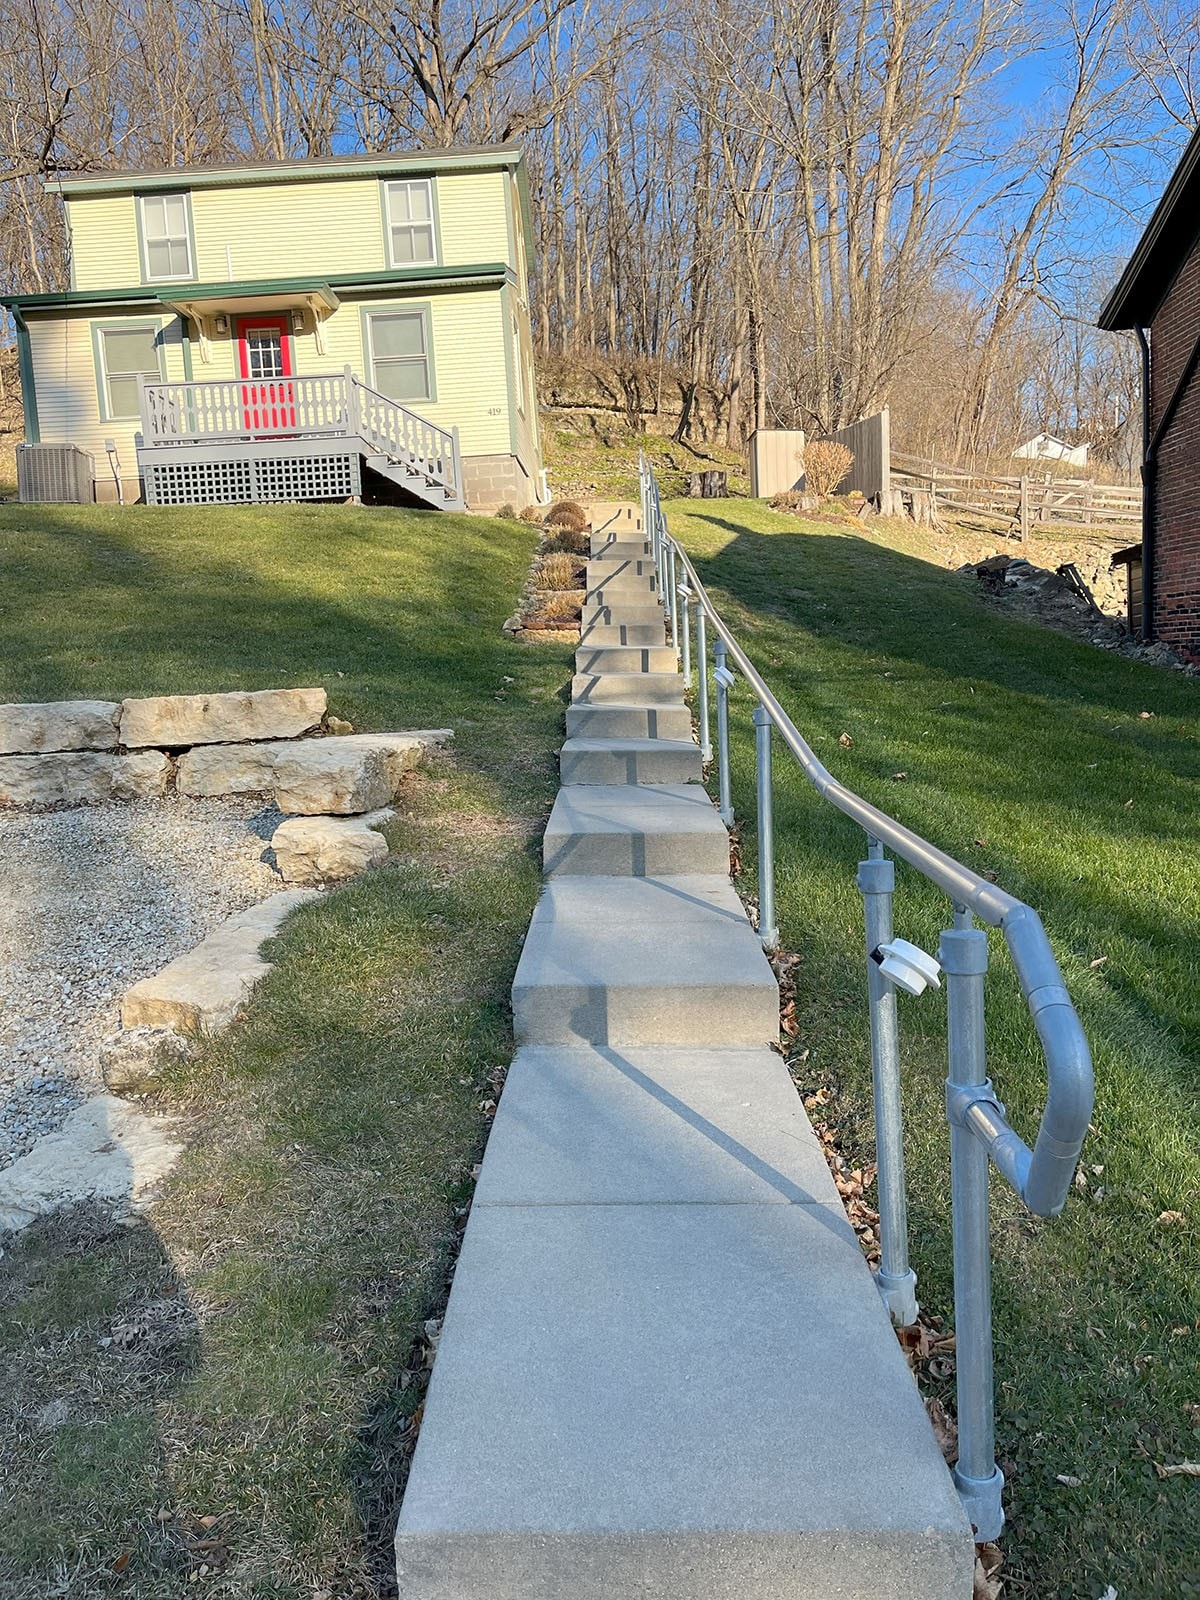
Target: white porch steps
<point>665,1370</point>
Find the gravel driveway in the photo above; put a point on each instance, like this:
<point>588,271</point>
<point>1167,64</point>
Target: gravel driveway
<point>91,899</point>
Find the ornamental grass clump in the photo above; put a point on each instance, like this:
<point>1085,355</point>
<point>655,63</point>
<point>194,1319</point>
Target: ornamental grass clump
<point>825,465</point>
<point>559,570</point>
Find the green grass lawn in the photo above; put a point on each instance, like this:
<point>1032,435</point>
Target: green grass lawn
<point>228,1383</point>
<point>1028,756</point>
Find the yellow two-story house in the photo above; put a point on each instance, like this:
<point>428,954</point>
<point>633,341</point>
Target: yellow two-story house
<point>332,329</point>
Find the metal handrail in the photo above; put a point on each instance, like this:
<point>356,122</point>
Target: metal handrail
<point>979,1129</point>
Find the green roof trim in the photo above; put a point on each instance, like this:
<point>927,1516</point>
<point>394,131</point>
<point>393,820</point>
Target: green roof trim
<point>492,272</point>
<point>466,158</point>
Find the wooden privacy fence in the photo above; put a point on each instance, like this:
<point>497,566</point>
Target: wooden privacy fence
<point>929,488</point>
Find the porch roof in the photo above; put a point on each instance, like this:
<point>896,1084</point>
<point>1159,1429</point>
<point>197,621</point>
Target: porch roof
<point>224,295</point>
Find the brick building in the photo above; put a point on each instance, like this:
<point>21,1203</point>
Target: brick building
<point>1158,297</point>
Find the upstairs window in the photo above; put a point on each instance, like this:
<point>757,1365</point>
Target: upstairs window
<point>408,212</point>
<point>400,358</point>
<point>127,354</point>
<point>166,236</point>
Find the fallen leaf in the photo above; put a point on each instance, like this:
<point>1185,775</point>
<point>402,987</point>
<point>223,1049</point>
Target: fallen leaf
<point>898,777</point>
<point>845,741</point>
<point>122,1561</point>
<point>1128,804</point>
<point>1180,1469</point>
<point>945,1429</point>
<point>1099,962</point>
<point>988,1561</point>
<point>1169,1219</point>
<point>1144,714</point>
<point>1069,1481</point>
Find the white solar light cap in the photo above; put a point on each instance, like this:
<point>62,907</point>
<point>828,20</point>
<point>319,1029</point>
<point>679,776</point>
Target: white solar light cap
<point>909,967</point>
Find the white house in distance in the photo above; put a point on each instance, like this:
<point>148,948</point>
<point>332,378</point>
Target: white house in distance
<point>1045,447</point>
<point>351,326</point>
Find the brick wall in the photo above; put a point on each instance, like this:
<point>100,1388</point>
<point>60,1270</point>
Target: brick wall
<point>1175,330</point>
<point>494,481</point>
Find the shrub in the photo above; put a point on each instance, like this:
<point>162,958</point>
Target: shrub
<point>562,607</point>
<point>507,511</point>
<point>787,500</point>
<point>825,465</point>
<point>531,514</point>
<point>568,539</point>
<point>559,570</point>
<point>567,514</point>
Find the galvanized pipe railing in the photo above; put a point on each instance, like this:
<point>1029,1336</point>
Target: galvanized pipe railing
<point>979,1130</point>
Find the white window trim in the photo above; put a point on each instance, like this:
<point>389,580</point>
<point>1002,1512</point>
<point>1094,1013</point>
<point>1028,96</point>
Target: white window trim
<point>430,396</point>
<point>389,222</point>
<point>135,326</point>
<point>171,277</point>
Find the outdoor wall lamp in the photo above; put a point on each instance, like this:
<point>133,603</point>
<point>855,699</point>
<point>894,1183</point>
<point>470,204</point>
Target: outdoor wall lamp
<point>222,324</point>
<point>907,966</point>
<point>297,322</point>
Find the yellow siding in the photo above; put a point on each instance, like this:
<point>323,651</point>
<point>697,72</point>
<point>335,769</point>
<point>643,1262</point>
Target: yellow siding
<point>287,230</point>
<point>471,217</point>
<point>104,242</point>
<point>65,382</point>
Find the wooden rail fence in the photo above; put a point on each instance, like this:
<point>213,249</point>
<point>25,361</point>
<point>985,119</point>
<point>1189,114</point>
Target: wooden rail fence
<point>927,488</point>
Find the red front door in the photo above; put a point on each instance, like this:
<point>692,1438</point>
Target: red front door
<point>265,362</point>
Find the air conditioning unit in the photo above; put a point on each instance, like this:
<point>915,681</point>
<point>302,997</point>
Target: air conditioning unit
<point>60,472</point>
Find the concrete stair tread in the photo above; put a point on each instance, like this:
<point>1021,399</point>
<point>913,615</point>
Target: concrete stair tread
<point>595,1126</point>
<point>624,829</point>
<point>715,1375</point>
<point>599,633</point>
<point>589,760</point>
<point>627,688</point>
<point>628,960</point>
<point>619,721</point>
<point>613,616</point>
<point>595,659</point>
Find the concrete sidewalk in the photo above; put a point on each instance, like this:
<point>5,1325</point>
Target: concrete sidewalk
<point>665,1369</point>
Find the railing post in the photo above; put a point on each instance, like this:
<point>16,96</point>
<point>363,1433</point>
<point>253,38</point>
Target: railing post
<point>702,681</point>
<point>767,930</point>
<point>684,595</point>
<point>673,592</point>
<point>351,400</point>
<point>979,1481</point>
<point>896,1280</point>
<point>723,676</point>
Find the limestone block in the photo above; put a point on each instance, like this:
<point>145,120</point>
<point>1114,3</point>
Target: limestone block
<point>140,776</point>
<point>323,849</point>
<point>227,769</point>
<point>58,725</point>
<point>70,777</point>
<point>323,776</point>
<point>186,719</point>
<point>202,991</point>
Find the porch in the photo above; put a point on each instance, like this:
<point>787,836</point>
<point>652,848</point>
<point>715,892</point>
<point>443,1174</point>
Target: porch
<point>254,440</point>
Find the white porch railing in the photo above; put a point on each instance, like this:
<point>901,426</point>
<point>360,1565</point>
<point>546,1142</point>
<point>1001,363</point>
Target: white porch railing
<point>257,410</point>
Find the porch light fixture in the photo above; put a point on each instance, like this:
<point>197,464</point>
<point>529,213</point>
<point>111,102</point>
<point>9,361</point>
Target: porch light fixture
<point>297,322</point>
<point>222,324</point>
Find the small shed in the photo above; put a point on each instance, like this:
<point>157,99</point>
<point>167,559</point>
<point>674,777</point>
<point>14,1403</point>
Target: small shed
<point>1045,447</point>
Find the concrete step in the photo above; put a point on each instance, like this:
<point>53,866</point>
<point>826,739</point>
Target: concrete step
<point>670,960</point>
<point>623,830</point>
<point>620,544</point>
<point>622,613</point>
<point>626,658</point>
<point>661,1337</point>
<point>603,635</point>
<point>629,722</point>
<point>619,567</point>
<point>627,688</point>
<point>620,592</point>
<point>617,761</point>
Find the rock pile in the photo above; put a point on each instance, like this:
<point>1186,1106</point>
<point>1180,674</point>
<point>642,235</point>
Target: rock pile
<point>1050,598</point>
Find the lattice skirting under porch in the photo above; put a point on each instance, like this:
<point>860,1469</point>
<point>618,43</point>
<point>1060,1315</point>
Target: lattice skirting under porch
<point>234,479</point>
